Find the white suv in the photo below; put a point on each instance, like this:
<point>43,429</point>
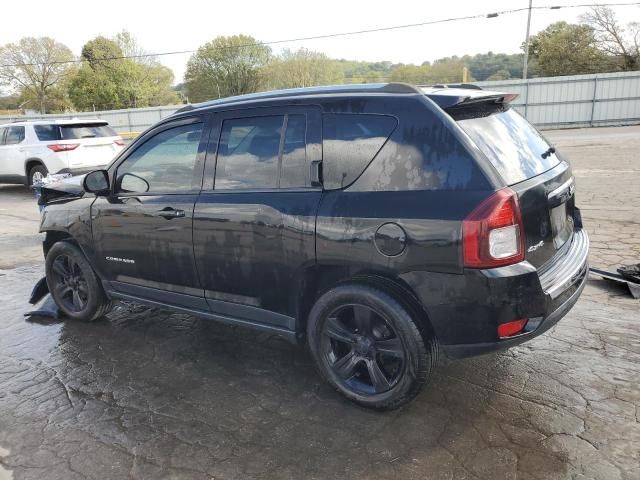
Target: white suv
<point>31,150</point>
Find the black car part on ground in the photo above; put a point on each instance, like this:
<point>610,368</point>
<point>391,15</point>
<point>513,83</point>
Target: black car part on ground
<point>628,275</point>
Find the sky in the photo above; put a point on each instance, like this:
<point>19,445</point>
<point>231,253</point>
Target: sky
<point>187,24</point>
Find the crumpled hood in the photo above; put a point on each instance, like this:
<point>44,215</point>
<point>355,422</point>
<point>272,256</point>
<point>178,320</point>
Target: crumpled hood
<point>68,188</point>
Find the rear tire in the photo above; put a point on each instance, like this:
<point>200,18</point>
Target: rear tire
<point>368,346</point>
<point>37,174</point>
<point>73,284</point>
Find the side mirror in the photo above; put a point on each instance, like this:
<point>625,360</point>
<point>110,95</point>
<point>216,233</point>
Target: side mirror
<point>97,182</point>
<point>131,183</point>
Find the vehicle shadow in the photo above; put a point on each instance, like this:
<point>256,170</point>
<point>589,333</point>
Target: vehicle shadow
<point>182,392</point>
<point>19,191</point>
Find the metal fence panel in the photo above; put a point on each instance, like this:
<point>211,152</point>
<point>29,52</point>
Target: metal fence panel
<point>579,100</point>
<point>553,102</point>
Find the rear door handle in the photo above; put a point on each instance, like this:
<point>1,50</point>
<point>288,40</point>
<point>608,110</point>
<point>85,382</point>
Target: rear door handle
<point>169,213</point>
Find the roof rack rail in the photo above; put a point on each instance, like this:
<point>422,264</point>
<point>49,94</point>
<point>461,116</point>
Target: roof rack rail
<point>295,92</point>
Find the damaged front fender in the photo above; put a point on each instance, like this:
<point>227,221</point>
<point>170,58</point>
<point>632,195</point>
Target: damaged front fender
<point>60,191</point>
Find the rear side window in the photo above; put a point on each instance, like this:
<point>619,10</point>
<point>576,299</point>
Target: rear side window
<point>14,135</point>
<point>350,142</point>
<point>47,133</point>
<point>2,130</point>
<point>89,130</point>
<point>511,144</point>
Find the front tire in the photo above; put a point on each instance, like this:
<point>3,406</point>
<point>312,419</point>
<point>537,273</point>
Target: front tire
<point>37,174</point>
<point>73,284</point>
<point>369,347</point>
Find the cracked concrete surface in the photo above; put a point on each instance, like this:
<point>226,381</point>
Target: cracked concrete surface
<point>145,393</point>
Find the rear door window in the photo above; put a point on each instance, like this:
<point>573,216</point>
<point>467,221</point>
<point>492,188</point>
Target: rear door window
<point>14,135</point>
<point>88,130</point>
<point>510,142</point>
<point>248,153</point>
<point>350,142</point>
<point>2,131</point>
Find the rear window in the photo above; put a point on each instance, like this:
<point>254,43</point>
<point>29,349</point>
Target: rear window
<point>510,142</point>
<point>73,132</point>
<point>350,142</point>
<point>47,133</point>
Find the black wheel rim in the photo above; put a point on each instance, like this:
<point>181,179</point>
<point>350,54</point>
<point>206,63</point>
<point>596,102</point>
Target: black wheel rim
<point>362,349</point>
<point>70,285</point>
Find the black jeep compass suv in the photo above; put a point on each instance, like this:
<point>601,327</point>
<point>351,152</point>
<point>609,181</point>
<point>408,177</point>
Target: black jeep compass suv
<point>380,223</point>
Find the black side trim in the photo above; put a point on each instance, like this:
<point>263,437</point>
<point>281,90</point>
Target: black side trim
<point>251,314</point>
<point>192,302</point>
<point>288,334</point>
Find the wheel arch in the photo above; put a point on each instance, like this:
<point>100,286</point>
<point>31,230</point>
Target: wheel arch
<point>54,236</point>
<point>319,280</point>
<point>31,162</point>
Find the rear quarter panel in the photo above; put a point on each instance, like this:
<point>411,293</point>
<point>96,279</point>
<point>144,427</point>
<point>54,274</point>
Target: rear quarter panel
<point>425,179</point>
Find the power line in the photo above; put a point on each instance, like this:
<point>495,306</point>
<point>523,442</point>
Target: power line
<point>339,34</point>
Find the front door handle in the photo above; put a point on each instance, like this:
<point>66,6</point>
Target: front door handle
<point>169,213</point>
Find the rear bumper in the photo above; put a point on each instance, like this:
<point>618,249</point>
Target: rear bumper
<point>536,326</point>
<point>472,306</point>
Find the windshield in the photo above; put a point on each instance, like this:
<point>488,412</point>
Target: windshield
<point>511,143</point>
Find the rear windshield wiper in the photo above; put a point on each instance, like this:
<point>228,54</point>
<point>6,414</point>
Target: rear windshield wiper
<point>548,152</point>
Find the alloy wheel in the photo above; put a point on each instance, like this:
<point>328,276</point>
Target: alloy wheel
<point>70,288</point>
<point>362,349</point>
<point>36,178</point>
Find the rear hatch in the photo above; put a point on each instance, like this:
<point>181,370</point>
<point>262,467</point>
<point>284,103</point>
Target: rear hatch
<point>530,166</point>
<point>98,143</point>
<point>83,145</point>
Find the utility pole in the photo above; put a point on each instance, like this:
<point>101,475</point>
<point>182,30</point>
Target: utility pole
<point>526,44</point>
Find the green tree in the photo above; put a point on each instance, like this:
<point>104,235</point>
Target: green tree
<point>364,72</point>
<point>567,49</point>
<point>613,39</point>
<point>34,67</point>
<point>226,66</point>
<point>302,68</point>
<point>449,70</point>
<point>485,65</point>
<point>118,74</point>
<point>415,74</point>
<point>96,85</point>
<point>9,103</point>
<point>500,75</point>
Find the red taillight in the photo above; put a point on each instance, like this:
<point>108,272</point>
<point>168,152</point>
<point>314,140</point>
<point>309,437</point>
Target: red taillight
<point>492,235</point>
<point>119,142</point>
<point>512,328</point>
<point>63,147</point>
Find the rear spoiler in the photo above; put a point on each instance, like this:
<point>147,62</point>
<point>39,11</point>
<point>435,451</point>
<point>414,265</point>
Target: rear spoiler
<point>459,95</point>
<point>499,98</point>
